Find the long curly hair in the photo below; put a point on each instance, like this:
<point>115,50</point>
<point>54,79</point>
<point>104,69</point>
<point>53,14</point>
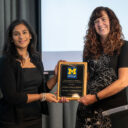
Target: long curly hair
<point>92,45</point>
<point>9,46</point>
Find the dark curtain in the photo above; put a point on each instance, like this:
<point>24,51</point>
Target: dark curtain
<point>28,10</point>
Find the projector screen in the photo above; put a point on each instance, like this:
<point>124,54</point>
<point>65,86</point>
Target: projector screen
<point>64,24</point>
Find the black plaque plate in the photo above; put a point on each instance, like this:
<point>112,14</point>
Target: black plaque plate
<point>72,79</point>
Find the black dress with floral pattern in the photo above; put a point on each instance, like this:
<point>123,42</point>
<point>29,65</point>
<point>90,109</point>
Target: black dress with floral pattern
<point>102,72</point>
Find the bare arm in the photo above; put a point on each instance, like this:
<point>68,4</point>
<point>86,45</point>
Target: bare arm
<point>114,88</point>
<point>49,97</point>
<point>35,97</point>
<point>52,82</point>
<point>117,85</point>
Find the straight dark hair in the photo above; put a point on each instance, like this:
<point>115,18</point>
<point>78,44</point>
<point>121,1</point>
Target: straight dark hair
<point>9,46</point>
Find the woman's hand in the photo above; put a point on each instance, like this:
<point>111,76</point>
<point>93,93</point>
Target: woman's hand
<point>53,80</point>
<point>51,98</point>
<point>57,67</point>
<point>88,99</point>
<point>63,100</point>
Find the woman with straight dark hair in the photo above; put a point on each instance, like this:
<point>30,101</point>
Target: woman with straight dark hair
<point>107,55</point>
<point>22,80</point>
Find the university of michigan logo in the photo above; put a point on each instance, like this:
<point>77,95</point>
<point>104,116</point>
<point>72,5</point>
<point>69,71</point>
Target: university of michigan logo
<point>72,72</point>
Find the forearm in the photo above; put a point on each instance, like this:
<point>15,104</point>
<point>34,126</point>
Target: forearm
<point>33,97</point>
<point>112,89</point>
<point>51,82</point>
<point>42,97</point>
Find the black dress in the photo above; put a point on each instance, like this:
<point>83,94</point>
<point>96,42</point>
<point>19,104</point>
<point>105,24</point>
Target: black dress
<point>32,111</point>
<point>16,83</point>
<point>102,72</point>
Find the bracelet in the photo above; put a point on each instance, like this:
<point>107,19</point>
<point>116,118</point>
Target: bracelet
<point>43,96</point>
<point>98,99</point>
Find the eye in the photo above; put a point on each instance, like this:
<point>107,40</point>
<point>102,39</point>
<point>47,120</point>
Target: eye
<point>15,34</point>
<point>25,32</point>
<point>96,21</point>
<point>104,19</point>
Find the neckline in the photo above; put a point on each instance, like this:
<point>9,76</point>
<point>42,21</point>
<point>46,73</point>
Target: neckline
<point>29,68</point>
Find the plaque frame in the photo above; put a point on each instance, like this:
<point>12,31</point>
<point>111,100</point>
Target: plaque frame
<point>84,79</point>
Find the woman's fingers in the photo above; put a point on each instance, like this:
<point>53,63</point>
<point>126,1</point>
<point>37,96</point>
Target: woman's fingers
<point>88,99</point>
<point>57,66</point>
<point>63,100</point>
<point>51,98</point>
<point>55,93</point>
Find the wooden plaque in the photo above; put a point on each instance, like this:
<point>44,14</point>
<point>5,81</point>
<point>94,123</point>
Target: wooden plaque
<point>72,80</point>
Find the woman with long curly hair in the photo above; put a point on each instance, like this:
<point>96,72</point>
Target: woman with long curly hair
<point>22,81</point>
<point>107,55</point>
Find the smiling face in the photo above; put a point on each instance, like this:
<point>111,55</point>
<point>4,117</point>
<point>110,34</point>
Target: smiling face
<point>21,36</point>
<point>102,25</point>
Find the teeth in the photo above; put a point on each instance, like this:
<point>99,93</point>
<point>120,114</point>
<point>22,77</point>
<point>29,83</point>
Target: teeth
<point>101,28</point>
<point>21,41</point>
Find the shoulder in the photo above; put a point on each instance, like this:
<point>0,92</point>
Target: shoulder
<point>4,61</point>
<point>124,49</point>
<point>126,42</point>
<point>36,57</point>
<point>7,63</point>
<point>123,56</point>
<point>37,60</point>
<point>124,46</point>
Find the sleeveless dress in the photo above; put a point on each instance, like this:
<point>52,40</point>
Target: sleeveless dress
<point>32,111</point>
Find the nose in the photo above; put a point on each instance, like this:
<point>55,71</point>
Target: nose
<point>100,23</point>
<point>21,36</point>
